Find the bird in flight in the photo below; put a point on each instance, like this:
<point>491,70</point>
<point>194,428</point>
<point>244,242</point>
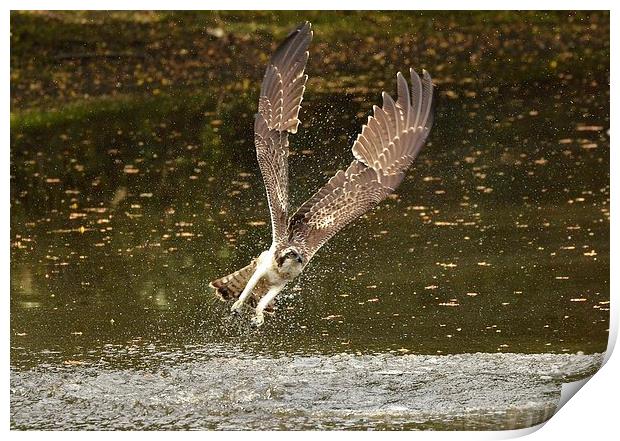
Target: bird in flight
<point>382,152</point>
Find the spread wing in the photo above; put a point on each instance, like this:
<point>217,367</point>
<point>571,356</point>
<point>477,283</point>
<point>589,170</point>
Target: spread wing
<point>278,108</point>
<point>387,146</point>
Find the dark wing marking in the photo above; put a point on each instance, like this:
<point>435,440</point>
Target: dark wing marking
<point>278,109</point>
<point>387,146</point>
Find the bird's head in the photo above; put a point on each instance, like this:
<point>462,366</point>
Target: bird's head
<point>289,260</point>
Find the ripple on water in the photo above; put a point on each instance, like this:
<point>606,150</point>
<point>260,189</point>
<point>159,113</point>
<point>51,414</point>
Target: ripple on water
<point>218,390</point>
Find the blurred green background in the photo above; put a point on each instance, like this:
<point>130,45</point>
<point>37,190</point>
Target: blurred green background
<point>77,57</point>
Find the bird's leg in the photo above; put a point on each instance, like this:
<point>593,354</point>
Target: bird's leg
<point>260,272</point>
<point>259,317</point>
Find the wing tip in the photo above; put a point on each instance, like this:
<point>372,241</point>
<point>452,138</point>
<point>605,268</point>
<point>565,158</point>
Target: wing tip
<point>304,28</point>
<point>425,74</point>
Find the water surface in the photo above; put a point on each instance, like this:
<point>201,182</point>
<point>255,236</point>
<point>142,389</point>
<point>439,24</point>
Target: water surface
<point>217,387</point>
<point>462,301</point>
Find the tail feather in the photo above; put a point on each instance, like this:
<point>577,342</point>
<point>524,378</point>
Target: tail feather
<point>231,286</point>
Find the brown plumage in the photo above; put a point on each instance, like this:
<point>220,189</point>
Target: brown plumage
<point>230,287</point>
<point>383,151</point>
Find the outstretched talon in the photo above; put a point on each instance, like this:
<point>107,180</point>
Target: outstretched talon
<point>258,320</point>
<point>235,309</point>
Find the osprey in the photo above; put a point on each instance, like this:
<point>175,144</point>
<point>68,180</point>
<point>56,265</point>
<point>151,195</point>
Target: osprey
<point>385,148</point>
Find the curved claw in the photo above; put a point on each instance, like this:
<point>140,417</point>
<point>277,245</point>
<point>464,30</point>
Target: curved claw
<point>257,321</point>
<point>235,308</point>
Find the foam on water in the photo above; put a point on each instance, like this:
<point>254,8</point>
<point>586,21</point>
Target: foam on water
<point>234,390</point>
